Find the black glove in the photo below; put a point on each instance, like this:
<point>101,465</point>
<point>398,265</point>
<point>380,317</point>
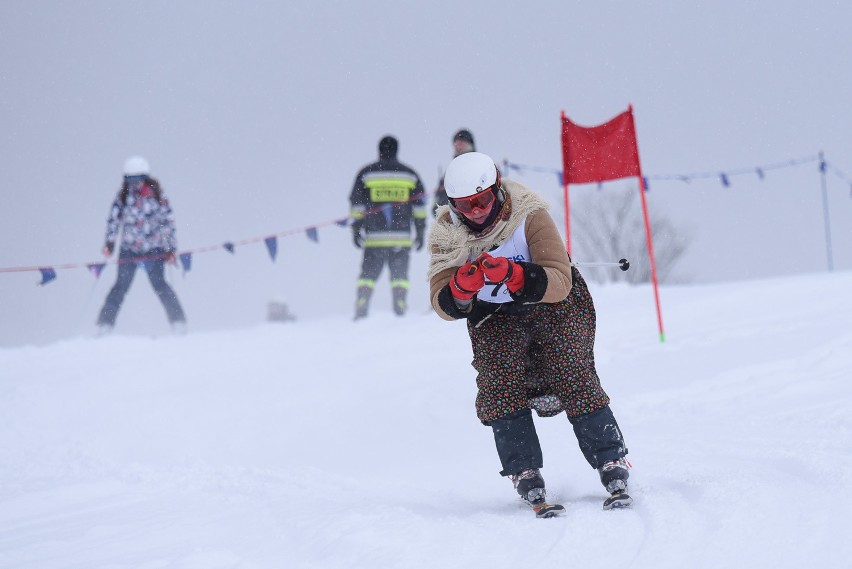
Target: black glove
<point>357,238</point>
<point>420,230</point>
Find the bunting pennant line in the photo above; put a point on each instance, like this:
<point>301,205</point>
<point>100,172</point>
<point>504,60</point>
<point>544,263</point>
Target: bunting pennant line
<point>723,176</point>
<point>48,273</point>
<point>185,257</point>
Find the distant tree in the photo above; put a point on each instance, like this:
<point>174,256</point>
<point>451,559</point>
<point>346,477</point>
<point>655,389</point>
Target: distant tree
<point>608,226</point>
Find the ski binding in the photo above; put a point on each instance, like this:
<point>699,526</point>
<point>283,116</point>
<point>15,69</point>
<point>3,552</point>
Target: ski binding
<point>619,499</point>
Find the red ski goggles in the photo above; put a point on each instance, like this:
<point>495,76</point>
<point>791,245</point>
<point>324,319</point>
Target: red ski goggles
<point>480,200</point>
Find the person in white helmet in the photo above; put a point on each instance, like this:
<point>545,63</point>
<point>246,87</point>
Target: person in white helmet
<point>142,217</point>
<point>498,261</point>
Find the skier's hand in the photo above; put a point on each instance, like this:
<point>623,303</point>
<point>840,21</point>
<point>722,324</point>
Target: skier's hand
<point>171,258</point>
<point>467,281</point>
<point>500,270</point>
<point>418,241</point>
<point>108,249</point>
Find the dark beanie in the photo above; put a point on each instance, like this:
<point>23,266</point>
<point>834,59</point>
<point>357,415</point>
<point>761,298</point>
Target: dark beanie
<point>388,147</point>
<point>465,135</point>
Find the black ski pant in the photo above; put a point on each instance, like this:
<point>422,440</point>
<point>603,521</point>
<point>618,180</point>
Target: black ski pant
<point>153,261</point>
<point>518,446</point>
<point>372,264</point>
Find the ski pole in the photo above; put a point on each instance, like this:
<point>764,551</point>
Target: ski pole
<point>622,264</point>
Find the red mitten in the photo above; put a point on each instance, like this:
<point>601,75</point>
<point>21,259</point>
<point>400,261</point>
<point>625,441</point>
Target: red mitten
<point>499,270</point>
<point>467,281</point>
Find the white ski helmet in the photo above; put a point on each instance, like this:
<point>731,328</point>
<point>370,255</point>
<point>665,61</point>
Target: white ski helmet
<point>136,166</point>
<point>469,174</point>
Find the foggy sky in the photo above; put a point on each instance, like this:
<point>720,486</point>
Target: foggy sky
<point>255,116</point>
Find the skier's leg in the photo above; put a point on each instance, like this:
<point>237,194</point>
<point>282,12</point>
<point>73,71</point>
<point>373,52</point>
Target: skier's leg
<point>520,454</point>
<point>500,345</point>
<point>603,446</point>
<point>112,304</point>
<point>566,333</point>
<point>398,265</point>
<point>371,268</point>
<point>165,293</point>
<point>599,437</point>
<point>517,442</point>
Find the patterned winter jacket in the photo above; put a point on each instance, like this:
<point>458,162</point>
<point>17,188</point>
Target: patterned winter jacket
<point>145,222</point>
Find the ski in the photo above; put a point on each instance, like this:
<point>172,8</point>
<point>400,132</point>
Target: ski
<point>545,510</point>
<point>618,500</point>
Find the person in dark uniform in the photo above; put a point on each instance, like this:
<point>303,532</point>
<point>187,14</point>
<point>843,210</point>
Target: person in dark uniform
<point>387,199</point>
<point>462,144</point>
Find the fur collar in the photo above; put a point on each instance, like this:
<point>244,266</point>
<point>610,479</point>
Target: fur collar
<point>452,243</point>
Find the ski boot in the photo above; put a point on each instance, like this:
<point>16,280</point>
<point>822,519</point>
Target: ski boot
<point>614,475</point>
<point>530,485</point>
<point>362,303</point>
<point>399,305</point>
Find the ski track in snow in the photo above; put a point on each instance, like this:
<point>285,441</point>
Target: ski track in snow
<point>330,443</point>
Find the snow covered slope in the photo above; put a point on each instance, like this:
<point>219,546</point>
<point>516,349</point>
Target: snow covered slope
<point>330,443</point>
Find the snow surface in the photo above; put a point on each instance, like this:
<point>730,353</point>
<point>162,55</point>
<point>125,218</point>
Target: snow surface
<point>330,443</point>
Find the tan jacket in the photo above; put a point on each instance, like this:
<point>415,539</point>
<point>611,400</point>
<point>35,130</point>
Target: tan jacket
<point>546,249</point>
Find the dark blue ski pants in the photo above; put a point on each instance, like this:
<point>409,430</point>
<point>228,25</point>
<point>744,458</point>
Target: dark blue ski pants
<point>153,261</point>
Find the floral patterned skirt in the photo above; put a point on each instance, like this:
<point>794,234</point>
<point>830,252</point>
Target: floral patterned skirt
<point>547,349</point>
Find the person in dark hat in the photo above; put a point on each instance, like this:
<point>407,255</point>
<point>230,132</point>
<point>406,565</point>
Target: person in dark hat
<point>386,200</point>
<point>462,144</point>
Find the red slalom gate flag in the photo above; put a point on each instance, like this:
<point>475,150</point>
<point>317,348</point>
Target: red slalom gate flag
<point>600,153</point>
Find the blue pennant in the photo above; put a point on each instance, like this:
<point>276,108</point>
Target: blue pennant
<point>646,184</point>
<point>47,275</point>
<point>186,261</point>
<point>96,269</point>
<point>342,222</point>
<point>313,235</point>
<point>724,179</point>
<point>229,246</point>
<point>272,246</point>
